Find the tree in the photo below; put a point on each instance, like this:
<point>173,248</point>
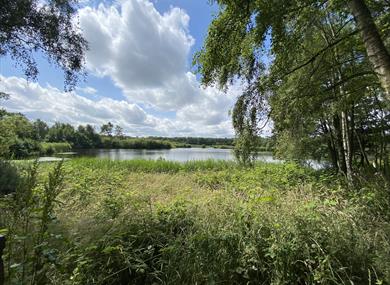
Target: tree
<point>3,96</point>
<point>318,87</point>
<point>237,36</point>
<point>86,137</point>
<point>119,131</point>
<point>375,47</point>
<point>106,129</point>
<point>41,129</point>
<point>245,126</point>
<point>17,136</point>
<point>61,132</point>
<point>27,26</point>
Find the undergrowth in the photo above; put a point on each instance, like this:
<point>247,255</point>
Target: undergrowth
<point>159,222</point>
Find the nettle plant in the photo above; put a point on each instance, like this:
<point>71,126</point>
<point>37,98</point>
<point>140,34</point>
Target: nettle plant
<point>27,214</point>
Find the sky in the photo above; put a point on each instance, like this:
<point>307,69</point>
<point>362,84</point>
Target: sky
<point>139,73</point>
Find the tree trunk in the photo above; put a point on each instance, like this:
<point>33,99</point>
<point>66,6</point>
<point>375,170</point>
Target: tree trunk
<point>375,47</point>
<point>346,146</point>
<point>339,145</point>
<point>331,145</point>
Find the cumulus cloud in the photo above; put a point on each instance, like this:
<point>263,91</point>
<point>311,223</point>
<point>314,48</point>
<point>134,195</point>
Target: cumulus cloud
<point>53,105</point>
<point>87,90</point>
<point>144,52</point>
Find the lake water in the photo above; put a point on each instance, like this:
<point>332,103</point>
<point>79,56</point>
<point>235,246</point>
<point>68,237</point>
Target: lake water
<point>174,154</point>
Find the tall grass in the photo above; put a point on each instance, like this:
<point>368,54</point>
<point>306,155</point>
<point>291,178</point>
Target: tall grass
<point>159,166</point>
<point>214,222</point>
<point>51,148</point>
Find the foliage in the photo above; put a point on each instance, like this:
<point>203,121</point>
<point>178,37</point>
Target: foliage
<point>107,129</point>
<point>51,148</point>
<point>150,166</point>
<point>132,143</point>
<point>49,27</point>
<point>17,136</point>
<point>26,216</point>
<point>148,222</point>
<point>198,141</point>
<point>119,131</point>
<point>9,178</point>
<point>245,126</point>
<point>61,132</point>
<point>21,148</point>
<point>260,143</point>
<point>22,138</point>
<point>41,129</point>
<point>304,66</point>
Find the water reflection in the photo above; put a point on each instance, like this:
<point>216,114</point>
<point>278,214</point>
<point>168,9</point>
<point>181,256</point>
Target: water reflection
<point>175,154</point>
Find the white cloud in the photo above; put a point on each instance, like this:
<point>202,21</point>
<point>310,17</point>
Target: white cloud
<point>52,105</point>
<point>144,52</point>
<point>87,90</point>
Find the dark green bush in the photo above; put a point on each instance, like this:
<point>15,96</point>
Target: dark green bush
<point>9,178</point>
<point>22,148</point>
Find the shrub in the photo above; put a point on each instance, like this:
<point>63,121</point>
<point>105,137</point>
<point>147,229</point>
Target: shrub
<point>22,148</point>
<point>26,217</point>
<point>9,178</point>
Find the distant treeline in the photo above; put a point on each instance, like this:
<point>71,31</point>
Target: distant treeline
<point>263,143</point>
<point>20,137</point>
<point>134,143</point>
<point>198,141</point>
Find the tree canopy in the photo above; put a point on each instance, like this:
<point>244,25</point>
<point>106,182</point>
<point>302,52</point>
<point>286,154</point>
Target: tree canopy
<point>306,65</point>
<point>27,26</point>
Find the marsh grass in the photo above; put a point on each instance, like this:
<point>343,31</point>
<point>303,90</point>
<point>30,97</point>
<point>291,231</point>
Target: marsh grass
<point>153,166</point>
<point>54,147</point>
<point>159,222</point>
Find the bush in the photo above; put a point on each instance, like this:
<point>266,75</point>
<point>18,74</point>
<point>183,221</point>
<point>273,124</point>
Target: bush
<point>25,218</point>
<point>22,148</point>
<point>9,178</point>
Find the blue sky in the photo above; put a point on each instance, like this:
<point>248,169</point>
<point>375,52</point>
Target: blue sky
<point>139,73</point>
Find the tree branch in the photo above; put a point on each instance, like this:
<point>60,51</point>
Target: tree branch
<point>320,52</point>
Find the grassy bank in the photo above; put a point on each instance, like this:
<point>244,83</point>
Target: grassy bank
<point>159,222</point>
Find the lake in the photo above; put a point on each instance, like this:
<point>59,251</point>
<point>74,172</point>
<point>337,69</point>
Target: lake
<point>174,154</point>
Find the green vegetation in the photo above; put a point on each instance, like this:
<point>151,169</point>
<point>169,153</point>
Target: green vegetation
<point>261,143</point>
<point>50,148</point>
<point>198,141</point>
<point>21,138</point>
<point>48,27</point>
<point>319,70</point>
<point>325,85</point>
<point>153,222</point>
<point>9,178</point>
<point>134,143</point>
